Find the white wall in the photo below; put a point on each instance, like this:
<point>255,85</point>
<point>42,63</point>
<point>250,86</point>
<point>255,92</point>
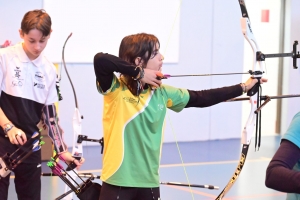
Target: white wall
<point>11,14</point>
<point>210,42</point>
<point>102,24</point>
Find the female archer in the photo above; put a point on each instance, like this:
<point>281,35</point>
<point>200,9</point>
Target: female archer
<point>134,111</point>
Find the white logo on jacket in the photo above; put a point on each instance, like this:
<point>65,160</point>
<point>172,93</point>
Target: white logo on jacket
<point>39,76</point>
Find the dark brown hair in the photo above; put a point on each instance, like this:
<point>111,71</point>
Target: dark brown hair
<point>36,19</point>
<point>133,46</point>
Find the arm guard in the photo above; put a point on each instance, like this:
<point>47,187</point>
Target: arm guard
<point>55,132</point>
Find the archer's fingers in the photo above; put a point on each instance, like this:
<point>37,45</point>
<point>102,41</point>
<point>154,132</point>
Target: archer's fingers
<point>263,80</point>
<point>13,140</point>
<point>154,85</point>
<point>20,138</point>
<point>12,135</point>
<point>79,163</point>
<point>156,81</point>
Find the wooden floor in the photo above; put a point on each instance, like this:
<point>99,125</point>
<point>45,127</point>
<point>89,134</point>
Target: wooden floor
<point>206,162</point>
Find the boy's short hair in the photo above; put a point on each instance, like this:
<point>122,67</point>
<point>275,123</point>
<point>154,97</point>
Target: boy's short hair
<point>36,19</point>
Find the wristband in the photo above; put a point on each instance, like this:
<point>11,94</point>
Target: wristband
<point>244,87</point>
<point>7,127</point>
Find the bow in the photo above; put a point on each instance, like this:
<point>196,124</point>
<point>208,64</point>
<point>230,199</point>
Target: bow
<point>251,123</point>
<point>77,151</point>
<point>255,98</point>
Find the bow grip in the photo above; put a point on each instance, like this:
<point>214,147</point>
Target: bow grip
<point>254,89</point>
<point>72,165</point>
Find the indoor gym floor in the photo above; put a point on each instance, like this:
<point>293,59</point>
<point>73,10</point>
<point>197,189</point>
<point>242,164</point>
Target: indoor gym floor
<point>207,162</point>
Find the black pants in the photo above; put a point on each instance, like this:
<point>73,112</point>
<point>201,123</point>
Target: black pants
<point>27,182</point>
<point>112,192</point>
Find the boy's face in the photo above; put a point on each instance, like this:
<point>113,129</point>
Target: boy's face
<point>34,43</point>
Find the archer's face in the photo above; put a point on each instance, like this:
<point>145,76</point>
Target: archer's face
<point>34,43</point>
<point>156,60</point>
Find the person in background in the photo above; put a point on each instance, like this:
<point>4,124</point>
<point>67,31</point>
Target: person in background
<point>5,44</point>
<point>283,172</point>
<point>28,94</point>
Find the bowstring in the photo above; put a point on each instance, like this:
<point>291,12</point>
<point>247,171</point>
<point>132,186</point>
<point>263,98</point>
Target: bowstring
<point>178,148</point>
<point>169,119</point>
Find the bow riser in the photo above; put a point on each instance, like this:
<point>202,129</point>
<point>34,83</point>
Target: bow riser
<point>77,148</point>
<point>76,151</point>
<point>248,35</point>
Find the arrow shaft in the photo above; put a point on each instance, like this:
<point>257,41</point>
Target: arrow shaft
<point>212,187</point>
<point>206,74</point>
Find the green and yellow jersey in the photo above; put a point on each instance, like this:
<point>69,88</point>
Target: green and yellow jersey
<point>133,132</point>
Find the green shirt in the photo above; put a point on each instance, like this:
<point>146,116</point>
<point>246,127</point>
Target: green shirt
<point>133,132</point>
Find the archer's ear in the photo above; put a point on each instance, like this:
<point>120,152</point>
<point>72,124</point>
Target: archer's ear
<point>50,33</point>
<point>21,34</point>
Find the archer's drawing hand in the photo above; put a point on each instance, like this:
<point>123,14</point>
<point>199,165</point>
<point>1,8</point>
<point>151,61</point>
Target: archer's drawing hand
<point>16,136</point>
<point>150,78</point>
<point>252,81</point>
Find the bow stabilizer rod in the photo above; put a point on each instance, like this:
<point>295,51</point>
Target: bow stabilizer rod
<point>265,97</point>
